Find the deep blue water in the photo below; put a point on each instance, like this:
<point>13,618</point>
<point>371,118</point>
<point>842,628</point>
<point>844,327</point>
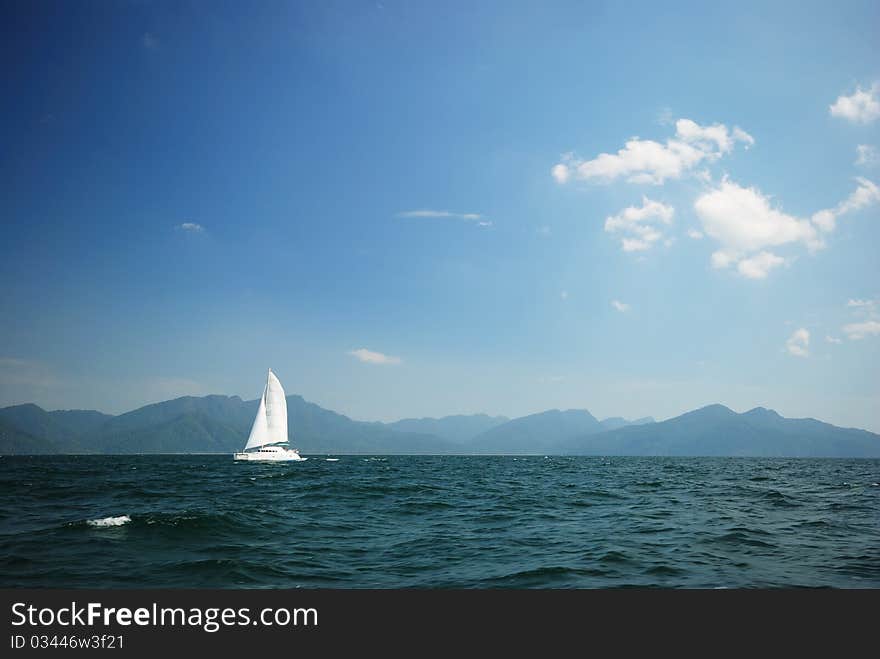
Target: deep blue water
<point>429,522</point>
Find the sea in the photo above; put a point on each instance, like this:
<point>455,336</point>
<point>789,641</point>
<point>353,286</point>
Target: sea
<point>354,521</point>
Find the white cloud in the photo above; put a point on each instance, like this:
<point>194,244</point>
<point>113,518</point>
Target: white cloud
<point>711,137</point>
<point>432,213</point>
<point>832,339</point>
<point>632,215</point>
<point>564,295</point>
<point>693,233</point>
<point>861,107</point>
<point>757,266</point>
<point>746,223</point>
<point>480,220</point>
<point>798,343</point>
<point>867,155</point>
<point>191,227</point>
<point>647,161</point>
<point>870,320</point>
<point>742,136</point>
<point>743,220</point>
<point>561,173</point>
<point>638,244</point>
<point>865,194</point>
<point>856,331</point>
<point>622,307</point>
<point>371,357</point>
<point>723,258</point>
<point>825,219</point>
<point>637,223</point>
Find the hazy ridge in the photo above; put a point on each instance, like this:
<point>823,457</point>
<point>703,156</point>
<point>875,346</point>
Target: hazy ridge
<point>220,424</point>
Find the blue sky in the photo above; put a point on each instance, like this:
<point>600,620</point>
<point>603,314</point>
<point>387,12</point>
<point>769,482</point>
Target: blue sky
<point>404,208</point>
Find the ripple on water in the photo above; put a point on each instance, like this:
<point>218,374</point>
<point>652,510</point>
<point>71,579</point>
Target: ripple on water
<point>423,521</point>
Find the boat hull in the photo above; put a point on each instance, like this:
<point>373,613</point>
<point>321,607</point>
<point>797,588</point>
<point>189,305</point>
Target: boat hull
<point>283,455</point>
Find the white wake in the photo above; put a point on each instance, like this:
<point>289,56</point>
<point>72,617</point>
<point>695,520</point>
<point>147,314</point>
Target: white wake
<point>110,521</point>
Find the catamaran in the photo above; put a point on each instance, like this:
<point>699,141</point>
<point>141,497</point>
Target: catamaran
<point>268,439</point>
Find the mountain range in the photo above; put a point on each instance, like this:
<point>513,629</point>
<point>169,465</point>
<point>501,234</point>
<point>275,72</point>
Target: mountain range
<point>220,424</point>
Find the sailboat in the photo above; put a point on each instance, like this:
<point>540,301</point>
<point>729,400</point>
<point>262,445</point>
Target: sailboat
<point>268,439</point>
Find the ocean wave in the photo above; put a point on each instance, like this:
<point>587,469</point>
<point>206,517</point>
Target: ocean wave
<point>415,522</point>
<point>544,576</point>
<point>196,520</point>
<point>109,521</point>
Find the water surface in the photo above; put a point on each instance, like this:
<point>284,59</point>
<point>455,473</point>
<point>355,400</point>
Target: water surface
<point>438,522</point>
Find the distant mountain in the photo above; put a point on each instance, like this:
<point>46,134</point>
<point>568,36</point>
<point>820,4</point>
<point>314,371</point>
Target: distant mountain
<point>189,424</point>
<point>316,430</point>
<point>457,428</point>
<point>716,430</point>
<point>537,433</point>
<point>615,422</point>
<point>62,428</point>
<point>208,424</point>
<point>79,422</point>
<point>220,424</point>
<point>14,441</point>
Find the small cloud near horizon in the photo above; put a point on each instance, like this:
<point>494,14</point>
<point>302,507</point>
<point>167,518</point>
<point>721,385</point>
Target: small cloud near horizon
<point>798,343</point>
<point>191,227</point>
<point>858,331</point>
<point>622,307</point>
<point>861,303</point>
<point>479,218</point>
<point>371,357</point>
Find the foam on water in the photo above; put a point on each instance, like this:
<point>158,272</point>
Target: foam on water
<point>109,521</point>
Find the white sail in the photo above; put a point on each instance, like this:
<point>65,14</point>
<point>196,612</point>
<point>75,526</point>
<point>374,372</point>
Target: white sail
<point>276,410</point>
<point>270,424</point>
<point>260,430</point>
